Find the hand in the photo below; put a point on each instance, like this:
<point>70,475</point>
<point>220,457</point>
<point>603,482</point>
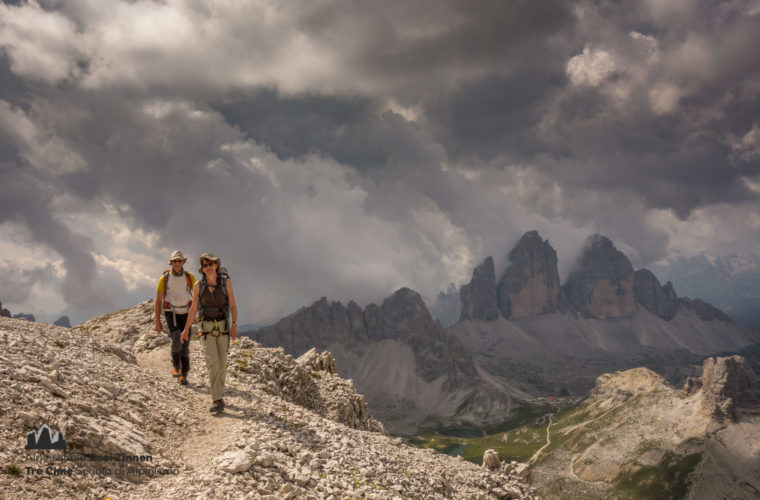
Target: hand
<point>184,337</point>
<point>159,327</point>
<point>233,331</point>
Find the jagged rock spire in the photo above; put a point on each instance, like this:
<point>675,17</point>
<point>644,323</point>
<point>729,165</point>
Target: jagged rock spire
<point>479,296</point>
<point>655,298</point>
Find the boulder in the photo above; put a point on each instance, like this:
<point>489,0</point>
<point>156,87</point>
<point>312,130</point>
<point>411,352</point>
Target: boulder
<point>491,459</point>
<point>234,461</point>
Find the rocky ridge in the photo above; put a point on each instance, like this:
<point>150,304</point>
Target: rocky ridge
<point>106,386</point>
<point>400,358</point>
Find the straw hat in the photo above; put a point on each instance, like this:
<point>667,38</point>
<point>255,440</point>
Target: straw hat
<point>211,258</point>
<point>177,255</point>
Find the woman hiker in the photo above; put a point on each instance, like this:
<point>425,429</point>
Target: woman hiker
<point>214,298</point>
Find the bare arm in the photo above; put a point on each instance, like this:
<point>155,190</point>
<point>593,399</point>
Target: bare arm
<point>192,312</point>
<point>233,310</point>
<point>157,311</point>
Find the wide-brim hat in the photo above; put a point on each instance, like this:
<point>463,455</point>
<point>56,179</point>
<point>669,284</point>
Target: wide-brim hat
<point>211,258</point>
<point>177,254</point>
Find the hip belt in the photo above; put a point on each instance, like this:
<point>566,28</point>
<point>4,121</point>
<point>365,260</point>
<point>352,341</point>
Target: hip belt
<point>214,327</point>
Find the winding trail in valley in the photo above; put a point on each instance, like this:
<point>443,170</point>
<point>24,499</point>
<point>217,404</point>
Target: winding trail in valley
<point>548,435</point>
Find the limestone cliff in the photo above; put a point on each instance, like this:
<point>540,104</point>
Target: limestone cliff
<point>530,284</point>
<point>602,285</point>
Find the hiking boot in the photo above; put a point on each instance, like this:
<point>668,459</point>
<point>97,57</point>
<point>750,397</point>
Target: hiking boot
<point>218,407</point>
<point>175,372</point>
<point>183,379</point>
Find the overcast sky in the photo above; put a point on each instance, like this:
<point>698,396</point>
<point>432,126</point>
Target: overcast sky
<point>346,149</point>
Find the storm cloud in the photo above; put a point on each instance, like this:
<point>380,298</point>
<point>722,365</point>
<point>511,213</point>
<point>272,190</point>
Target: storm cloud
<point>345,149</point>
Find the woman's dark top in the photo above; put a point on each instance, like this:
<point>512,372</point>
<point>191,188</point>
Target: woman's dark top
<point>215,299</point>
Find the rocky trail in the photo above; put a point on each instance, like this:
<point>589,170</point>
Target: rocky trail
<point>538,452</point>
<point>212,432</point>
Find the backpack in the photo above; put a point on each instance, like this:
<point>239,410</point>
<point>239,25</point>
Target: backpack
<point>221,282</point>
<point>165,277</point>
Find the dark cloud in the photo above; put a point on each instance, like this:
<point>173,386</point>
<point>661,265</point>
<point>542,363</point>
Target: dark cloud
<point>26,196</point>
<point>18,283</point>
<point>294,126</point>
<point>350,149</point>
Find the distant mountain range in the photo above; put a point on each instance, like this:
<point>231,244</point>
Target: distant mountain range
<point>522,335</point>
<point>731,282</point>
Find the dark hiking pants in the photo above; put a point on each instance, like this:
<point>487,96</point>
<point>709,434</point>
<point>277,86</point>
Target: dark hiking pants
<point>180,350</point>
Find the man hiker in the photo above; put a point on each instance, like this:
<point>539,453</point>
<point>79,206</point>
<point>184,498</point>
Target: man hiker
<point>173,297</point>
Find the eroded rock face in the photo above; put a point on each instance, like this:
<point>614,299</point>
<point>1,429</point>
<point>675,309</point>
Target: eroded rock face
<point>602,286</point>
<point>655,298</point>
<point>726,383</point>
<point>530,284</point>
<point>479,301</point>
<point>4,313</point>
<point>309,381</point>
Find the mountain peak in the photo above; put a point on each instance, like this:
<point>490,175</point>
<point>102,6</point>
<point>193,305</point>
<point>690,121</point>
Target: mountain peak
<point>530,284</point>
<point>602,286</point>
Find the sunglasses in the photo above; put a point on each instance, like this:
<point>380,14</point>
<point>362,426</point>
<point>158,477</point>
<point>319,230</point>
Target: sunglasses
<point>207,264</point>
<point>176,260</point>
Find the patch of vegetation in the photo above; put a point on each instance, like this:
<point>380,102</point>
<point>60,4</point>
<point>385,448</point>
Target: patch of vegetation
<point>14,470</point>
<point>667,480</point>
<point>521,416</point>
<point>515,439</point>
<point>316,375</point>
<point>60,343</point>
